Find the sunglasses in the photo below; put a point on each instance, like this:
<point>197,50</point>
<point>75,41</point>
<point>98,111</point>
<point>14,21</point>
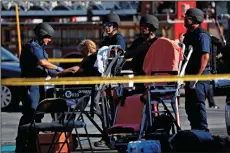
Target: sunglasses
<point>188,17</point>
<point>145,25</point>
<point>108,24</point>
<point>47,36</point>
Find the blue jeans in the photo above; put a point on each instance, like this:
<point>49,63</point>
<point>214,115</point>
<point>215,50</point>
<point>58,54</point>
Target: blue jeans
<point>195,105</point>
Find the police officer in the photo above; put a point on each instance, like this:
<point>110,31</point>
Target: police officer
<point>196,91</point>
<point>138,49</point>
<point>111,24</point>
<point>34,64</point>
<point>140,46</point>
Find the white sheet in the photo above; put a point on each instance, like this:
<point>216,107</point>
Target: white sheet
<point>102,57</point>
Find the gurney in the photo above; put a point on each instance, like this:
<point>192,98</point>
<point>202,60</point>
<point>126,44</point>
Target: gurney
<point>129,129</point>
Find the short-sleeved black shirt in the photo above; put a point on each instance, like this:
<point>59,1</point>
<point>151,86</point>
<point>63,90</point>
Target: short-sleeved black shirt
<point>87,65</point>
<point>137,51</point>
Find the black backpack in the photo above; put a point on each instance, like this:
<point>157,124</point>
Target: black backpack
<point>216,46</point>
<point>226,58</point>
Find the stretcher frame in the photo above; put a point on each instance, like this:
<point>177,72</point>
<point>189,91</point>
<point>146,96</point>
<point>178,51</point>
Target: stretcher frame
<point>147,117</point>
<point>151,106</point>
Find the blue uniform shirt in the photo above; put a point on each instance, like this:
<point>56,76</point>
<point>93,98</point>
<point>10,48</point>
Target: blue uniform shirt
<point>120,41</point>
<point>116,39</point>
<point>201,44</point>
<point>31,53</point>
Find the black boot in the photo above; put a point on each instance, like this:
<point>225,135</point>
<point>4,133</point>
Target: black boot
<point>100,143</point>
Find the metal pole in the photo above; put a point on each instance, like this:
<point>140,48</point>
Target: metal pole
<point>219,31</point>
<point>18,31</point>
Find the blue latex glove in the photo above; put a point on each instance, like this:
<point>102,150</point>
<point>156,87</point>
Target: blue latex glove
<point>52,73</point>
<point>59,69</point>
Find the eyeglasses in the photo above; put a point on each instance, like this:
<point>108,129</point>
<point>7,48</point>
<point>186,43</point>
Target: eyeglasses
<point>108,24</point>
<point>47,36</point>
<point>142,25</point>
<point>145,25</point>
<point>188,17</point>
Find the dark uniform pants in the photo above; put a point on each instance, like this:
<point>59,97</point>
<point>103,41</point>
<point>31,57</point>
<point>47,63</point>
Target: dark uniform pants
<point>32,96</point>
<point>195,105</point>
<point>210,97</point>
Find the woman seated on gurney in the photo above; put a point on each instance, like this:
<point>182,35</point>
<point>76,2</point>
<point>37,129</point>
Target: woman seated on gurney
<point>88,49</point>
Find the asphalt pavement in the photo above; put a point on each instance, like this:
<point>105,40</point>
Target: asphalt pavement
<point>9,124</point>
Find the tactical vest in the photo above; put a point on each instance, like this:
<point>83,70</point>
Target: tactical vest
<point>28,67</point>
<point>213,51</point>
<point>194,41</point>
<point>107,41</point>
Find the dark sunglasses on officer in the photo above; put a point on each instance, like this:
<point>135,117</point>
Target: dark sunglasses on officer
<point>47,36</point>
<point>187,17</point>
<point>108,24</point>
<point>145,25</point>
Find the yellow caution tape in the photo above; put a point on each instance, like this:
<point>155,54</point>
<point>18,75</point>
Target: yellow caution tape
<point>70,60</point>
<point>100,80</point>
<point>128,60</point>
<point>65,60</point>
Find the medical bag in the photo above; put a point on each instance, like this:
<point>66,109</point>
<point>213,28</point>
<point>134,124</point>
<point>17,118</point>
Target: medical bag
<point>144,146</point>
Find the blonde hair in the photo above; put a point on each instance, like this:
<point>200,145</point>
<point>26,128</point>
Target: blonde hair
<point>87,46</point>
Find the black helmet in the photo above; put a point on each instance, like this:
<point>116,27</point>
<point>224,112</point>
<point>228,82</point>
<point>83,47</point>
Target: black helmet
<point>150,19</point>
<point>195,13</point>
<point>113,18</point>
<point>43,29</point>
